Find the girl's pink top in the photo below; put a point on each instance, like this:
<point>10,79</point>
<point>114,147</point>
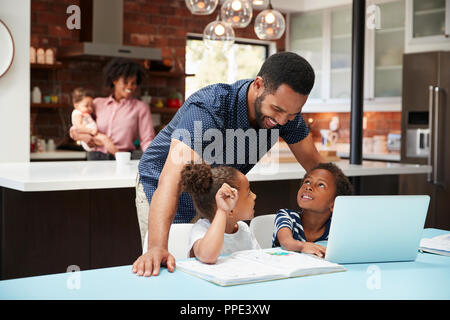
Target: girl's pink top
<point>124,122</point>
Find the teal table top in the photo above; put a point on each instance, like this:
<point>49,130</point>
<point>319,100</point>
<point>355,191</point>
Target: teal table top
<point>428,277</point>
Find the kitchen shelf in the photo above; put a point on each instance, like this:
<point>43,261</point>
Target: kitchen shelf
<point>49,105</point>
<point>164,110</point>
<point>57,65</point>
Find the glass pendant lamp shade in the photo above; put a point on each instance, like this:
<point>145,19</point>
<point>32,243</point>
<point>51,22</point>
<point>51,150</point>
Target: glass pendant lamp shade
<point>237,12</point>
<point>260,4</point>
<point>218,35</point>
<point>269,24</point>
<point>202,7</point>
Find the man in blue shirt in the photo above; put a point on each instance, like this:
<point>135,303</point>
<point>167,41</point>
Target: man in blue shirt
<point>253,112</point>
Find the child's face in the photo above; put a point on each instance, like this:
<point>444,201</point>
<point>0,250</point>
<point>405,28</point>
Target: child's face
<point>85,105</point>
<point>317,192</point>
<point>245,206</point>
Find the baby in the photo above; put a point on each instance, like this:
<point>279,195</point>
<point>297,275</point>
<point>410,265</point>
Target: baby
<point>298,230</point>
<point>85,124</point>
<point>222,199</point>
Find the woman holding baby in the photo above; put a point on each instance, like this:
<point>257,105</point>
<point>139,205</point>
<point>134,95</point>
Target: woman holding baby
<point>120,118</point>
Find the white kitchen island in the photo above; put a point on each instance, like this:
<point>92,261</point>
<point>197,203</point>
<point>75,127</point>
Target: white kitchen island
<point>59,214</point>
<point>76,175</point>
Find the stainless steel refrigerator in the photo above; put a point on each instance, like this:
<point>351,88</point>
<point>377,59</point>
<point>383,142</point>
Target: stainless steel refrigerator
<point>426,131</point>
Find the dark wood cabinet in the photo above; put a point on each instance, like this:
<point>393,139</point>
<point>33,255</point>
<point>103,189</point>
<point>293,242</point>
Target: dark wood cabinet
<point>46,232</point>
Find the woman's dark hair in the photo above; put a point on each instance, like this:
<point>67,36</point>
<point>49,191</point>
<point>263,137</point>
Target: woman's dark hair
<point>287,68</point>
<point>202,182</point>
<point>121,67</point>
<point>343,185</point>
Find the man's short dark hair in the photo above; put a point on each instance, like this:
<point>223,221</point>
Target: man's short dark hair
<point>287,68</point>
<point>121,67</point>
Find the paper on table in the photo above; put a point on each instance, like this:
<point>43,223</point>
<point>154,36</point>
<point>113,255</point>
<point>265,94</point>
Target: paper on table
<point>439,244</point>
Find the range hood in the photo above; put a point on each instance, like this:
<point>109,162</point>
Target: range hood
<point>102,30</point>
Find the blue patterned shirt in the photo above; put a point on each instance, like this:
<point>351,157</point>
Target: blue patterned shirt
<point>286,218</point>
<point>206,113</point>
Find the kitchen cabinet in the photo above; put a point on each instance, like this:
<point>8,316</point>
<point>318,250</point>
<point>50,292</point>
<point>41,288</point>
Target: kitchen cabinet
<point>384,49</point>
<point>340,53</point>
<point>427,25</point>
<point>47,231</point>
<point>307,41</point>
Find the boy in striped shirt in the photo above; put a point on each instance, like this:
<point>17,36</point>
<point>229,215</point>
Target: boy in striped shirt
<point>298,230</point>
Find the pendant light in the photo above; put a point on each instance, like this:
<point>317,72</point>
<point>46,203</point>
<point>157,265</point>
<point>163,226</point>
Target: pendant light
<point>237,12</point>
<point>260,4</point>
<point>269,24</point>
<point>218,35</point>
<point>201,7</point>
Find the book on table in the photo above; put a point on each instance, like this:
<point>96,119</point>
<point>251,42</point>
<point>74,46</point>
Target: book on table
<point>438,245</point>
<point>258,265</point>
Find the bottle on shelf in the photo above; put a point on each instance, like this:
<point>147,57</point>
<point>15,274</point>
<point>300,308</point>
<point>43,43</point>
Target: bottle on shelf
<point>49,56</point>
<point>40,56</point>
<point>32,54</point>
<point>36,96</point>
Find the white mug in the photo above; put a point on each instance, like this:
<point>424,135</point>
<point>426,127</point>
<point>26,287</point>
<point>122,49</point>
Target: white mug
<point>122,157</point>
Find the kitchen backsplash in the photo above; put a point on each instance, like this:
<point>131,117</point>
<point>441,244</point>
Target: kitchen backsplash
<point>375,123</point>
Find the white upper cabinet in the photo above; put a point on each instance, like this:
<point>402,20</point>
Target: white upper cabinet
<point>324,38</point>
<point>307,41</point>
<point>341,53</point>
<point>388,50</point>
<point>428,25</point>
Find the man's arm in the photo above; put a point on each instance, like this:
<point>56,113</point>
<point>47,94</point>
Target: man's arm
<point>306,153</point>
<point>163,208</point>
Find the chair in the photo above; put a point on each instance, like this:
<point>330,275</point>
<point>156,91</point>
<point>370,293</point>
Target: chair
<point>178,240</point>
<point>262,229</point>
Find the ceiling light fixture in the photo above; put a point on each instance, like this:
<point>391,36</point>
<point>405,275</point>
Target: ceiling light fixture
<point>218,35</point>
<point>202,7</point>
<point>238,13</point>
<point>269,24</point>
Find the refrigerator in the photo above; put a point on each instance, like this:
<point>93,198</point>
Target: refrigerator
<point>426,131</point>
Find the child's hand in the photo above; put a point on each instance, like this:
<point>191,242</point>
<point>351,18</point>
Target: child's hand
<point>226,198</point>
<point>94,132</point>
<point>317,249</point>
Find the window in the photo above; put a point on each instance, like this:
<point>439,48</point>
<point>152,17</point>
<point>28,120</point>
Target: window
<point>242,61</point>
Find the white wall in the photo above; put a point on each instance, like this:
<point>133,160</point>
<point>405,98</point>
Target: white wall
<point>307,5</point>
<point>15,85</point>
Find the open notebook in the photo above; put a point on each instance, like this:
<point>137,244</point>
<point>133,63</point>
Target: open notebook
<point>258,265</point>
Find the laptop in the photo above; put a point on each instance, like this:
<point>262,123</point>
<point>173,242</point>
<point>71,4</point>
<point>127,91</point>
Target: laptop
<point>367,229</point>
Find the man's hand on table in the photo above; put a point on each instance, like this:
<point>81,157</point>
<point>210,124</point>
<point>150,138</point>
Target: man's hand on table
<point>150,262</point>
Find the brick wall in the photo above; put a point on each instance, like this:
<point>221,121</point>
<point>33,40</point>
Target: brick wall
<point>377,123</point>
<point>150,23</point>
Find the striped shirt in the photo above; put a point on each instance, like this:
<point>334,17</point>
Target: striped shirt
<point>286,218</point>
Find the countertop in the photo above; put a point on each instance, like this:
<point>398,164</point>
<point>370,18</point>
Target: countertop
<point>58,155</point>
<point>75,175</point>
<point>343,151</point>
